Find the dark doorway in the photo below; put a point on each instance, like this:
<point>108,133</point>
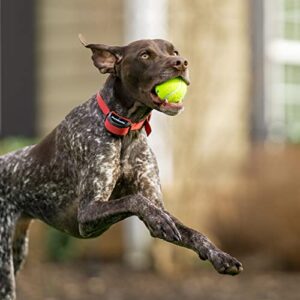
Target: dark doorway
<point>17,110</point>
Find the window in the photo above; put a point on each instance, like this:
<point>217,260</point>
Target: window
<point>282,70</point>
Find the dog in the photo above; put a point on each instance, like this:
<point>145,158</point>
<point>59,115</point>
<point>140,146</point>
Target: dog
<point>96,168</point>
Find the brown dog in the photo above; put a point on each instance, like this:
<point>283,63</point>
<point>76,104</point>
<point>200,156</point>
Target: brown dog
<point>96,168</point>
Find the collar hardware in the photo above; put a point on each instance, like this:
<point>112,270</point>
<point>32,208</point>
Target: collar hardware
<point>119,125</point>
<point>117,120</point>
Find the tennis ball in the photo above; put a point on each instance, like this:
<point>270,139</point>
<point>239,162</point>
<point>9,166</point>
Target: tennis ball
<point>172,90</point>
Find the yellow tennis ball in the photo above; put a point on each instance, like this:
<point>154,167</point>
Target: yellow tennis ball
<point>172,90</point>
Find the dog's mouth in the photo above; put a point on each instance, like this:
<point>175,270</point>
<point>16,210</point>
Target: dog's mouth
<point>162,104</point>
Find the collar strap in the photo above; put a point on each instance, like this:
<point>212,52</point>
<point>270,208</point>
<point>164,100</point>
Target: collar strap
<point>119,125</point>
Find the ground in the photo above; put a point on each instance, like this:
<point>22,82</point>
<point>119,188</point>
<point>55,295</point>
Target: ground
<point>97,280</point>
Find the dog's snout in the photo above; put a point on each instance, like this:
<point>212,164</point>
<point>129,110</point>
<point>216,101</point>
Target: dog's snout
<point>180,63</point>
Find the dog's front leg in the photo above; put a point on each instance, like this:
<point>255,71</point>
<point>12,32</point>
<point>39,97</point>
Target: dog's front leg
<point>149,187</point>
<point>196,241</point>
<point>98,216</point>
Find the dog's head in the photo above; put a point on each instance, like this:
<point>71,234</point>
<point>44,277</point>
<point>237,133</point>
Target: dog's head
<point>140,66</point>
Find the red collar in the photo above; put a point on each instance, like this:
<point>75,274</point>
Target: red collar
<point>119,125</point>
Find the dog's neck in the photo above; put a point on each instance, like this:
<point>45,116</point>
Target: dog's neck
<point>117,99</point>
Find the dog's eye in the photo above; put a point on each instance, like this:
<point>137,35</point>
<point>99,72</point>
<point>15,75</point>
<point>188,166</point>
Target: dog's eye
<point>175,53</point>
<point>145,55</point>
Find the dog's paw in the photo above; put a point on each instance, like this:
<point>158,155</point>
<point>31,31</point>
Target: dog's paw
<point>161,225</point>
<point>225,263</point>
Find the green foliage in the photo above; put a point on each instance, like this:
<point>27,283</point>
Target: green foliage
<point>59,246</point>
<point>14,143</point>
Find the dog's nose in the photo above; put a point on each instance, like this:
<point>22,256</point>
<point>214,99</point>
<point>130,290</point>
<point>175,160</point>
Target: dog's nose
<point>180,63</point>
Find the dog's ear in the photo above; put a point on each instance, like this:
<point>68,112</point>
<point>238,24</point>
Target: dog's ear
<point>104,57</point>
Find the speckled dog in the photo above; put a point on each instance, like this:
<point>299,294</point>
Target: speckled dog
<point>82,178</point>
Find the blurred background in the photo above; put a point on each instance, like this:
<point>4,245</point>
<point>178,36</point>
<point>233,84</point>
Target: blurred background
<point>229,164</point>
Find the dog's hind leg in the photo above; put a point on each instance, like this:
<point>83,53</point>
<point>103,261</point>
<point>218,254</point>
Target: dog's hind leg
<point>8,216</point>
<point>20,242</point>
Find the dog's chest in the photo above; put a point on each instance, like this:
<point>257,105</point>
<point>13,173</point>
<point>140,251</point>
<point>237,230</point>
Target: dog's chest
<point>136,163</point>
